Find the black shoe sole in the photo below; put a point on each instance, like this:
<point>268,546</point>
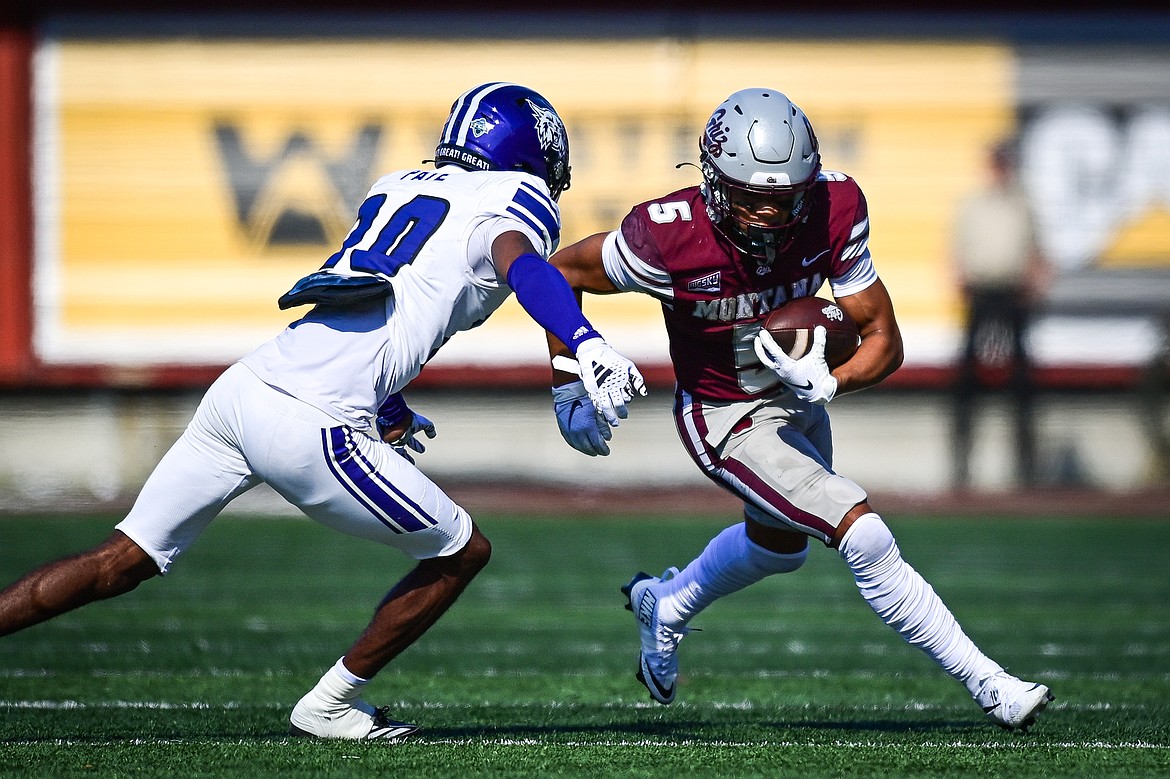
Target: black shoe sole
<point>641,576</point>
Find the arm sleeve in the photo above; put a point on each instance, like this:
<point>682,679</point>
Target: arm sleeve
<point>542,291</point>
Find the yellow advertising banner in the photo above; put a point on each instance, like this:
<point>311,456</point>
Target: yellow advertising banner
<point>183,185</point>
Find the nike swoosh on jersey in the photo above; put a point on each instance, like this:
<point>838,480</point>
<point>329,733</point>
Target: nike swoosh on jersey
<point>810,260</point>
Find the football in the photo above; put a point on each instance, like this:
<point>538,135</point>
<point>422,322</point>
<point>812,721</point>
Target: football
<point>792,326</point>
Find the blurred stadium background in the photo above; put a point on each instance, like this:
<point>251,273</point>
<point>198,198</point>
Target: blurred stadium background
<point>164,177</point>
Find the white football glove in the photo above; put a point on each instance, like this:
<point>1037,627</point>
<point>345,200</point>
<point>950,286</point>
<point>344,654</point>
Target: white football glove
<point>609,378</point>
<point>581,426</point>
<point>809,377</point>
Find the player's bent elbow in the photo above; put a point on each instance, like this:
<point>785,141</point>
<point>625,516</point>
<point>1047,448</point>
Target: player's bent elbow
<point>894,353</point>
<point>896,358</point>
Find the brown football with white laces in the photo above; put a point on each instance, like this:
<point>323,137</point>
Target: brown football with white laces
<point>792,326</point>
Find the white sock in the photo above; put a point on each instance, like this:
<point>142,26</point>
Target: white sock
<point>340,684</point>
<point>730,562</point>
<point>905,602</point>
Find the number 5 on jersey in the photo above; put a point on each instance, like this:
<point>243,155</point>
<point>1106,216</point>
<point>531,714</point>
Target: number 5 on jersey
<point>665,213</point>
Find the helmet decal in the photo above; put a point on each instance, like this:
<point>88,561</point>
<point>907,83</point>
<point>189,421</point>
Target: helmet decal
<point>553,138</point>
<point>479,126</point>
<point>549,128</point>
<point>463,112</point>
<point>716,133</point>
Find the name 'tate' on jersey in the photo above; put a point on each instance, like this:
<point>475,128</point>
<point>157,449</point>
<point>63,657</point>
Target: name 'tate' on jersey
<point>714,297</point>
<point>426,236</point>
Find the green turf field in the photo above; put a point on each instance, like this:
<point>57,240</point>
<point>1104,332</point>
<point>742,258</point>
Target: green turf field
<point>531,673</point>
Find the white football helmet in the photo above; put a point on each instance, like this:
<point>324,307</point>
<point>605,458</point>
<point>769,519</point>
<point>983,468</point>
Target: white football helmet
<point>759,158</point>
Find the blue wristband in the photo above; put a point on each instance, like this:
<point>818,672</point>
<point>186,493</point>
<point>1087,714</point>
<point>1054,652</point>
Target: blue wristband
<point>393,410</point>
<point>542,291</point>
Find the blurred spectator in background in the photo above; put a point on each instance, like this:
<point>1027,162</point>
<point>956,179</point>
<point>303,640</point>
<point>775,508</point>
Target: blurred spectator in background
<point>1000,273</point>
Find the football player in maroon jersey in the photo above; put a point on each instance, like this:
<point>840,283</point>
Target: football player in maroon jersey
<point>766,225</point>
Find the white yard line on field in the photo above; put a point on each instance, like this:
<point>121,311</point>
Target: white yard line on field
<point>423,741</point>
<point>68,705</point>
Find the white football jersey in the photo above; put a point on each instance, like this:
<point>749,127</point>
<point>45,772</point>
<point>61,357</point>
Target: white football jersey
<point>429,233</point>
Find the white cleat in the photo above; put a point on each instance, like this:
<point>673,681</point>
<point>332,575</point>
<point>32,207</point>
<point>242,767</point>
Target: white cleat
<point>658,660</point>
<point>1012,703</point>
<point>355,720</point>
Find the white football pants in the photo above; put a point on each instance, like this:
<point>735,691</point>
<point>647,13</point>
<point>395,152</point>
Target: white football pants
<point>245,432</point>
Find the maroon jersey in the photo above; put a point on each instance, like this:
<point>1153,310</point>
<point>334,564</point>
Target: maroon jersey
<point>715,297</point>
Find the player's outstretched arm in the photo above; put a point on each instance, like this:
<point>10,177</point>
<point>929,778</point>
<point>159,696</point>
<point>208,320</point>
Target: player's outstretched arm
<point>610,379</point>
<point>582,427</point>
<point>582,268</point>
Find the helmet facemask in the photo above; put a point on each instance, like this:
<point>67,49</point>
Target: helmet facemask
<point>760,221</point>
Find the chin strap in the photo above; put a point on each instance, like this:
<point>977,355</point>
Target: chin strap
<point>765,263</point>
<point>769,248</point>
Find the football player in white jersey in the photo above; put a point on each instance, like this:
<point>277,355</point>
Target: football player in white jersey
<point>317,412</point>
<point>767,225</point>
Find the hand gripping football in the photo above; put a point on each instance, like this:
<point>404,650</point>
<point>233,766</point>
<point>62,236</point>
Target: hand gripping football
<point>792,326</point>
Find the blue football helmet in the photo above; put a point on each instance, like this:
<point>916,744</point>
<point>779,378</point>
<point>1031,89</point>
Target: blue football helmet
<point>502,126</point>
